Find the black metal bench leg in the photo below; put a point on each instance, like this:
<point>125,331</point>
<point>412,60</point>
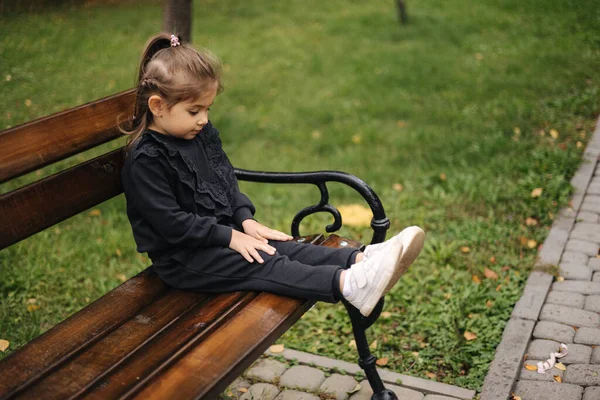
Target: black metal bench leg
<point>366,360</point>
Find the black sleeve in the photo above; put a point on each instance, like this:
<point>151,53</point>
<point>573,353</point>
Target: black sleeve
<point>153,197</point>
<point>243,209</point>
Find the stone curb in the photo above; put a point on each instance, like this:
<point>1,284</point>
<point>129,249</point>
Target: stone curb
<point>507,362</point>
<point>388,377</point>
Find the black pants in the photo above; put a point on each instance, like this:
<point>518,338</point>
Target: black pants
<point>297,270</point>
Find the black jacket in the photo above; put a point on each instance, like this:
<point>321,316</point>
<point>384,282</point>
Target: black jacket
<point>174,204</point>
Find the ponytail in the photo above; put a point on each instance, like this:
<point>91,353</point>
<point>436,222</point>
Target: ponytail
<point>142,117</point>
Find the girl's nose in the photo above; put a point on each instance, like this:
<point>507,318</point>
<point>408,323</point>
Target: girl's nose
<point>203,120</point>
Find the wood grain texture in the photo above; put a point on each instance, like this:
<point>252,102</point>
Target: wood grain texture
<point>44,354</point>
<point>105,354</point>
<point>35,207</point>
<point>143,340</point>
<point>165,350</point>
<point>38,143</point>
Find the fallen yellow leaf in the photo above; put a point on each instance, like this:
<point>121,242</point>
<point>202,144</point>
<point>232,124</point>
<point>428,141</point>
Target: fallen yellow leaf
<point>560,366</point>
<point>490,274</point>
<point>4,345</point>
<point>489,304</point>
<point>398,187</point>
<point>356,389</point>
<point>560,278</point>
<point>28,103</point>
<point>242,389</point>
<point>554,133</point>
<point>356,139</point>
<point>537,192</point>
<point>465,249</point>
<point>386,314</point>
<point>493,259</point>
<point>373,345</point>
<point>470,335</point>
<point>277,348</point>
<point>382,361</point>
<point>579,144</point>
<point>531,221</point>
<point>530,367</point>
<point>356,215</point>
<point>95,213</point>
<point>476,279</point>
<point>32,307</point>
<point>121,277</point>
<point>118,252</point>
<point>557,378</point>
<point>531,243</point>
<point>515,397</point>
<point>431,375</point>
<point>523,240</point>
<point>352,344</point>
<point>443,176</point>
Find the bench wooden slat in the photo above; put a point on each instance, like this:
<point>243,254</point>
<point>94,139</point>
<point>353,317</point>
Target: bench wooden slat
<point>167,347</point>
<point>82,329</point>
<point>111,349</point>
<point>226,353</point>
<point>35,207</point>
<point>43,141</point>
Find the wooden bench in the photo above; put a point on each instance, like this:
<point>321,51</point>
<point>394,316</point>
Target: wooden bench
<point>143,339</point>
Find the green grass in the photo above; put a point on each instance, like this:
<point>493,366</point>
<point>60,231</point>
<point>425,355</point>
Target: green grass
<point>435,105</point>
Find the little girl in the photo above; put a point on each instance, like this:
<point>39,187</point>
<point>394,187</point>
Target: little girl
<point>187,212</point>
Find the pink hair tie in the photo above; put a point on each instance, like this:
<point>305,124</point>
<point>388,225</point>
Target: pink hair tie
<point>175,41</point>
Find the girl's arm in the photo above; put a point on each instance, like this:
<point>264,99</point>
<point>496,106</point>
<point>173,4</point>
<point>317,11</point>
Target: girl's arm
<point>151,194</point>
<point>243,209</point>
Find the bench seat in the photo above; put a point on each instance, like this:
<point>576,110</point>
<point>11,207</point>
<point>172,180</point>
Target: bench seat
<point>145,340</point>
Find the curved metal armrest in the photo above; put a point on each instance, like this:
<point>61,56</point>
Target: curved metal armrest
<point>380,223</point>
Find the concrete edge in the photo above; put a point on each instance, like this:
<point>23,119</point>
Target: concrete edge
<point>387,376</point>
<point>504,370</point>
<point>505,367</point>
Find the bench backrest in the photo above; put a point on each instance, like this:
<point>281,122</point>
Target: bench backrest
<point>25,148</point>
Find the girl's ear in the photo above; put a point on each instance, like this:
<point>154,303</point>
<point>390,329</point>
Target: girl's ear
<point>156,105</point>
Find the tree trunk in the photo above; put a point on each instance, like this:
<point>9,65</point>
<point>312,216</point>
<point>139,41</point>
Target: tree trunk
<point>178,19</point>
<point>402,11</point>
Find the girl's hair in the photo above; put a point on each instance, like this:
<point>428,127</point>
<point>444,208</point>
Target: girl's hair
<point>176,73</point>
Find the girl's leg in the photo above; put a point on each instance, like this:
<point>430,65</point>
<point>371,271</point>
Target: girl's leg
<point>224,270</point>
<point>317,255</point>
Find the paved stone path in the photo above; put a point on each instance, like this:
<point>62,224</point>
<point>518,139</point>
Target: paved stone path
<point>295,375</point>
<point>563,309</point>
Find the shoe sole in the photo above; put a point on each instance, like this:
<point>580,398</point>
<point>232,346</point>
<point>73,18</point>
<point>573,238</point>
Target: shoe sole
<point>412,239</point>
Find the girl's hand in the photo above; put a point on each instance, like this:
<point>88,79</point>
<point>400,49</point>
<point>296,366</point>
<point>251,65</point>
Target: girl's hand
<point>262,233</point>
<point>248,246</point>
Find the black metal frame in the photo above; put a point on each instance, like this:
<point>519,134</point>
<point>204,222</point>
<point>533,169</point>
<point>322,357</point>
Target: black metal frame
<point>380,224</point>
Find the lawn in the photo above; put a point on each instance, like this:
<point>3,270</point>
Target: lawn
<point>454,120</point>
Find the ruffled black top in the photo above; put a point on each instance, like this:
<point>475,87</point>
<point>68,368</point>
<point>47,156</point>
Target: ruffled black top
<point>182,194</point>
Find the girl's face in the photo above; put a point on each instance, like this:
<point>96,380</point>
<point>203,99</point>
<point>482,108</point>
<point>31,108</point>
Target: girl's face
<point>185,119</point>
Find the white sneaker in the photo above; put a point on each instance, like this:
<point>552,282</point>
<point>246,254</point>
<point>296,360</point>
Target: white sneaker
<point>411,240</point>
<point>382,267</point>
